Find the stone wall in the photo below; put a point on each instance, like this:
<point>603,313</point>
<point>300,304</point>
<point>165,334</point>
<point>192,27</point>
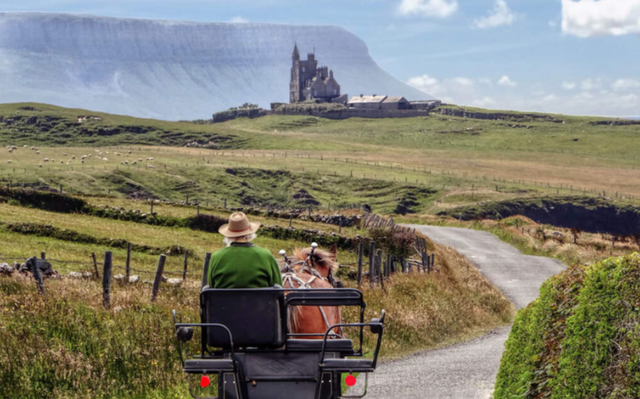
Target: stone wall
<point>462,113</point>
<point>358,113</point>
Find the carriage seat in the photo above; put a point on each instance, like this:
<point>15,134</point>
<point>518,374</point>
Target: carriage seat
<point>255,317</point>
<point>315,345</point>
<point>207,366</point>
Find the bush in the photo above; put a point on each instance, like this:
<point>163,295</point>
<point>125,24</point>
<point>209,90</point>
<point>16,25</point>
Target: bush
<point>396,242</point>
<point>580,338</point>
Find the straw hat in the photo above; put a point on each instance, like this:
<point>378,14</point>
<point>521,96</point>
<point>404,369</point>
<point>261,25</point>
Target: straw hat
<point>238,226</point>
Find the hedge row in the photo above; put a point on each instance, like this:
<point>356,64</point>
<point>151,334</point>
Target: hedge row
<point>43,230</point>
<point>580,338</point>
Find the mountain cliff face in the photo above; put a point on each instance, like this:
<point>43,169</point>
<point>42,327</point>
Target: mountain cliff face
<point>170,69</point>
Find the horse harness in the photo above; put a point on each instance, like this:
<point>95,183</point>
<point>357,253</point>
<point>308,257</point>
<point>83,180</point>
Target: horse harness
<point>289,276</point>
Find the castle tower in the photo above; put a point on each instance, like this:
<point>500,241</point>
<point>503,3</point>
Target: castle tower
<point>295,88</point>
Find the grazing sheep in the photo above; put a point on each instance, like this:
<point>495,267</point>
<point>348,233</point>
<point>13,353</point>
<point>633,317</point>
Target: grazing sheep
<point>46,159</point>
<point>40,165</point>
<point>38,152</point>
<point>9,161</point>
<point>73,157</point>
<point>104,159</point>
<point>150,166</point>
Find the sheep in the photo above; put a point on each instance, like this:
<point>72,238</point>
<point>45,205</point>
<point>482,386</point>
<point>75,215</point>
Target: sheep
<point>46,159</point>
<point>104,159</point>
<point>38,152</point>
<point>73,157</point>
<point>9,161</point>
<point>150,166</point>
<point>40,165</point>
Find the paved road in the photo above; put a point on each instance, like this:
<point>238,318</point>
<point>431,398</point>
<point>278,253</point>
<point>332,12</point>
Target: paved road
<point>467,370</point>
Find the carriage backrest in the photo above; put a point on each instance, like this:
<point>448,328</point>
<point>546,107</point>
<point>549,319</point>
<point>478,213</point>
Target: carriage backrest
<point>255,317</point>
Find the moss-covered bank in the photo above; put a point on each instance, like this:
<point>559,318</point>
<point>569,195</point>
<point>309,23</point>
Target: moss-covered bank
<point>580,338</point>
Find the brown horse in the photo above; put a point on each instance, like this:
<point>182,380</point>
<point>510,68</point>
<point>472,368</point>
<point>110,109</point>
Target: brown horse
<point>311,268</point>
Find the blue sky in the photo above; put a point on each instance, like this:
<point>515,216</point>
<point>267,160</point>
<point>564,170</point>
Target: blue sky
<point>567,56</point>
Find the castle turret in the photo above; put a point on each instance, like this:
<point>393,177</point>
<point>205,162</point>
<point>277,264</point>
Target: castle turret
<point>296,53</point>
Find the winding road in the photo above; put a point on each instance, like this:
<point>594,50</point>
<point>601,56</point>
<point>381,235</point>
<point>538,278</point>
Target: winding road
<point>467,370</point>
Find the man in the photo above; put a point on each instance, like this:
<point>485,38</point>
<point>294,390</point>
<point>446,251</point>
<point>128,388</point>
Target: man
<point>242,264</point>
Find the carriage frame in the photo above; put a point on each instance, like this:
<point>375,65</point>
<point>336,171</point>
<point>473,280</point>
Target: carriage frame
<point>246,343</point>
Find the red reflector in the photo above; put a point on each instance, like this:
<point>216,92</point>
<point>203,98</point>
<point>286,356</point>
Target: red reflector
<point>205,381</point>
<point>350,380</point>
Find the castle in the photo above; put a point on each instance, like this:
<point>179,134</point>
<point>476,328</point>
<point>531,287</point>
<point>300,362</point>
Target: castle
<point>310,83</point>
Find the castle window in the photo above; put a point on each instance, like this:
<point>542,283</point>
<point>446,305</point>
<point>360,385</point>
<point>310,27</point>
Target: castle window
<point>303,69</point>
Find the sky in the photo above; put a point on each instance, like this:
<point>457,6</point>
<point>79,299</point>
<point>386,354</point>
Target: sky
<point>561,56</point>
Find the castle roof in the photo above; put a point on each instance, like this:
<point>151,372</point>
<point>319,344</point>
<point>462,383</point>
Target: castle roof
<point>296,53</point>
<point>367,99</point>
<point>395,99</point>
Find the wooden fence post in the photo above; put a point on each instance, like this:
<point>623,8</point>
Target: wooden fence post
<point>184,271</point>
<point>360,254</point>
<point>433,261</point>
<point>379,271</point>
<point>127,266</point>
<point>205,269</point>
<point>372,262</point>
<point>95,265</point>
<point>37,275</point>
<point>106,280</point>
<point>158,279</point>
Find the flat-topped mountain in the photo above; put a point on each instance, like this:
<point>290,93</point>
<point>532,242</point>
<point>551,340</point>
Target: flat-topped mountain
<point>171,69</point>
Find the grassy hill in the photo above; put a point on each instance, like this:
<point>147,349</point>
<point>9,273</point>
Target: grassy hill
<point>426,164</point>
<point>580,338</point>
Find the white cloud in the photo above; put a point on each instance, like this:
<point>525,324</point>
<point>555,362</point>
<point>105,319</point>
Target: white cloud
<point>429,8</point>
<point>591,84</point>
<point>239,20</point>
<point>587,18</point>
<point>500,15</point>
<point>599,99</point>
<point>506,81</point>
<point>569,85</point>
<point>453,90</point>
<point>625,84</point>
<point>485,102</point>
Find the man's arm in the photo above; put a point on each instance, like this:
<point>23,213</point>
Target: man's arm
<point>276,277</point>
<point>210,273</point>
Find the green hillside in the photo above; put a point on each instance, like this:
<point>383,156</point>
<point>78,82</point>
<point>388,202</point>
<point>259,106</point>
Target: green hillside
<point>423,165</point>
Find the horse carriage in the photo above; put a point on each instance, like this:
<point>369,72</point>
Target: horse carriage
<point>281,342</point>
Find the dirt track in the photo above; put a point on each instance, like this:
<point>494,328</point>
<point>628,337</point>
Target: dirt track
<point>467,370</point>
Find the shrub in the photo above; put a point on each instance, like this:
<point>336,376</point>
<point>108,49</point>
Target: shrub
<point>396,242</point>
<point>580,338</point>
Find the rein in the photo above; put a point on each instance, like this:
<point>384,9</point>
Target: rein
<point>289,276</point>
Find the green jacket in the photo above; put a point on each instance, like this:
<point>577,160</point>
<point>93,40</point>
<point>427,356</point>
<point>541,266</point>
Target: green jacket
<point>243,265</point>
